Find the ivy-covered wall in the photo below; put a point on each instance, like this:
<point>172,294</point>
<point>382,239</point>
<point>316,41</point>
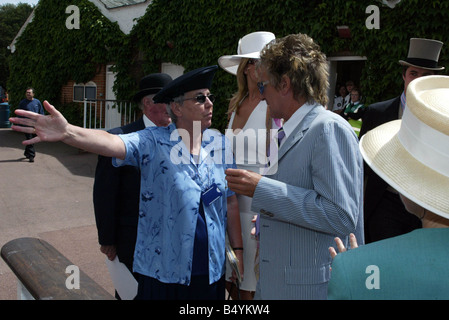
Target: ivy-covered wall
<point>12,18</point>
<point>48,54</point>
<point>194,33</point>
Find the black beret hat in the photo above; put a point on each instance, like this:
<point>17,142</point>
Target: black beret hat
<point>196,79</point>
<point>151,84</point>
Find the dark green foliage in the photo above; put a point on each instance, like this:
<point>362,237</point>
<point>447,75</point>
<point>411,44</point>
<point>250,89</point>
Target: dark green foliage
<point>48,54</point>
<point>12,18</point>
<point>195,33</point>
<point>203,30</point>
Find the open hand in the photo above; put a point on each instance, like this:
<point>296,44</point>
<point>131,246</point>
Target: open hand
<point>52,127</point>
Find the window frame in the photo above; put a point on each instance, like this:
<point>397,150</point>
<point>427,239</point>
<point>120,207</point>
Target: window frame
<point>84,86</point>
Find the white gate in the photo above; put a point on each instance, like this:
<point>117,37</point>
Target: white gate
<point>107,114</point>
<point>112,112</point>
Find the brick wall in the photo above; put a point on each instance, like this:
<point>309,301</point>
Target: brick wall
<point>99,79</point>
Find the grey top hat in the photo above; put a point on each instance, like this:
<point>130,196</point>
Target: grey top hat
<point>423,53</point>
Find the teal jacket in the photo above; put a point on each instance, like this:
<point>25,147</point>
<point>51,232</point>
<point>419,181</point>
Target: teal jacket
<point>413,266</point>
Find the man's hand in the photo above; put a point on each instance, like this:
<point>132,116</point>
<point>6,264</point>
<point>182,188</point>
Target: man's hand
<point>109,251</point>
<point>243,182</point>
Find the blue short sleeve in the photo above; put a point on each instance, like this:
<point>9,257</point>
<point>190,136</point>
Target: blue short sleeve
<point>138,146</point>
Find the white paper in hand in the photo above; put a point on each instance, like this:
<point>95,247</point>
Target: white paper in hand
<point>124,282</point>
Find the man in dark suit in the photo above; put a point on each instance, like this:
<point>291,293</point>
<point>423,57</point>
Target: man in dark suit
<point>116,190</point>
<point>384,212</point>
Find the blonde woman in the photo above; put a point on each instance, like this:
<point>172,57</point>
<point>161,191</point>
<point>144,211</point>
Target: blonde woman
<point>249,125</point>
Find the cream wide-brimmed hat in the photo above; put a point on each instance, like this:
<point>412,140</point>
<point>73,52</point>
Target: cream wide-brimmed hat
<point>412,154</point>
<point>249,47</point>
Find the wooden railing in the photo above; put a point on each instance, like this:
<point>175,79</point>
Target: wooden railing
<point>43,273</point>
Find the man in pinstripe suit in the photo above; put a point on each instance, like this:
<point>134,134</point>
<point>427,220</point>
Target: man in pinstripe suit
<point>314,191</point>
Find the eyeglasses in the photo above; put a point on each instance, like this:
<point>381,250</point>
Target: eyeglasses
<point>201,98</point>
<point>261,86</point>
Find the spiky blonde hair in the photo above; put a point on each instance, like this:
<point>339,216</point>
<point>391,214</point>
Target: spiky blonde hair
<point>300,58</point>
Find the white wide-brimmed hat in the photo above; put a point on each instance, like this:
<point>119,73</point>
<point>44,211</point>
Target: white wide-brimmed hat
<point>249,47</point>
<point>423,53</point>
<point>412,154</point>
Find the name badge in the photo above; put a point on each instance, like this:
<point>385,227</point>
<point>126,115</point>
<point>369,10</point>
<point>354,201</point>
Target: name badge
<point>211,195</point>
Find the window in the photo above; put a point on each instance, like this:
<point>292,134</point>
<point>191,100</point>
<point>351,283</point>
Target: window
<point>81,91</point>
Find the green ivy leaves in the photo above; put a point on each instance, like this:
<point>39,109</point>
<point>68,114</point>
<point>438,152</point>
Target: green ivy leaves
<point>196,33</point>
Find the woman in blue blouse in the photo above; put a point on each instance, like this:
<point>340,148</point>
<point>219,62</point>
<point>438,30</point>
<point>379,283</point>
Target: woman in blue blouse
<point>185,205</point>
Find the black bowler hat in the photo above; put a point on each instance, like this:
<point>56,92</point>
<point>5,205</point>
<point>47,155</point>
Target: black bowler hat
<point>196,79</point>
<point>151,84</point>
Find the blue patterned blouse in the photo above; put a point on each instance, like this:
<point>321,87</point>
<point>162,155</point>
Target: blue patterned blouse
<point>171,188</point>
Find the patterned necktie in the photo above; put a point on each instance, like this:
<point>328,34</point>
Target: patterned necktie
<point>281,135</point>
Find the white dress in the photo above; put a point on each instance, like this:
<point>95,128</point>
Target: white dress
<point>250,155</point>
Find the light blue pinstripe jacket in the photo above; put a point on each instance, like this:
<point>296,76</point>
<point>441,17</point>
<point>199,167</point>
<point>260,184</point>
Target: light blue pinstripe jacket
<point>315,194</point>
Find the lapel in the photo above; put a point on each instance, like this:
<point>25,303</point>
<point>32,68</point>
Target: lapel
<point>134,126</point>
<point>140,124</point>
<point>392,110</point>
<point>296,136</point>
<point>298,132</point>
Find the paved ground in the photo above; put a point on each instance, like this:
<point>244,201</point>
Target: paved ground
<point>49,199</point>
